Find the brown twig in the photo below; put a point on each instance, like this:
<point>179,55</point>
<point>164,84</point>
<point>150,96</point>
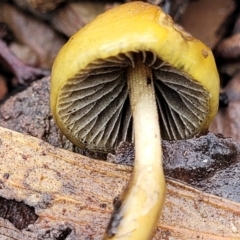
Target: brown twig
<point>22,72</point>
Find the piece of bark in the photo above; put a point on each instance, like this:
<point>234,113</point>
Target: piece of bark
<point>227,121</point>
<point>29,112</point>
<point>24,53</point>
<point>10,62</point>
<point>232,89</point>
<point>22,72</point>
<point>229,48</point>
<point>72,195</point>
<point>36,34</point>
<point>73,16</point>
<point>203,19</point>
<point>38,5</point>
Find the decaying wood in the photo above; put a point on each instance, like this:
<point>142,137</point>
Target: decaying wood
<point>79,13</point>
<point>40,5</point>
<point>73,196</point>
<point>22,72</point>
<point>45,42</point>
<point>204,19</point>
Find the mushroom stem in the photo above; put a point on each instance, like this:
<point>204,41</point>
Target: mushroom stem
<point>140,206</point>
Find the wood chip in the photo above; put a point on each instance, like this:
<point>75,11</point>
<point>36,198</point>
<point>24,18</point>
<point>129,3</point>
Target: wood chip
<point>73,196</point>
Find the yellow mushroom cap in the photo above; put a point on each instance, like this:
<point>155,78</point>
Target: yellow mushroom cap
<point>133,28</point>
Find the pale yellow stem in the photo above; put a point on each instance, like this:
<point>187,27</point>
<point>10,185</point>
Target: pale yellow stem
<point>143,200</point>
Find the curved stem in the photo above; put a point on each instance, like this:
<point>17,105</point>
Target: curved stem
<point>140,206</point>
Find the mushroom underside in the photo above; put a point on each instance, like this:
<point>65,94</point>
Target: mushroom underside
<point>95,108</point>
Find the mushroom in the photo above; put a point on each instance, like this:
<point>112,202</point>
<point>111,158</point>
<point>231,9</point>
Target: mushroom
<point>119,78</point>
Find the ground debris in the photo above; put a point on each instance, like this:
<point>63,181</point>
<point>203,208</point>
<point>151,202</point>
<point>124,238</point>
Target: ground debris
<point>73,196</point>
<point>210,163</point>
<point>18,213</point>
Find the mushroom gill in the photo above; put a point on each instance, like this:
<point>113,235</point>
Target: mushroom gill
<point>94,104</point>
